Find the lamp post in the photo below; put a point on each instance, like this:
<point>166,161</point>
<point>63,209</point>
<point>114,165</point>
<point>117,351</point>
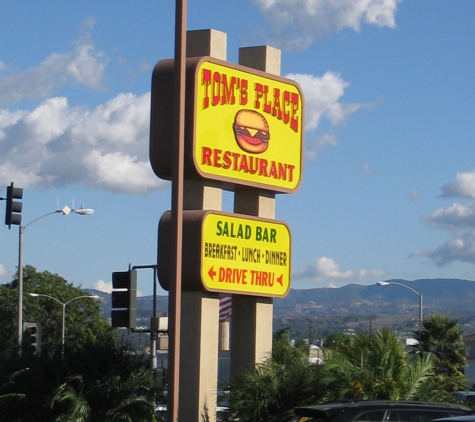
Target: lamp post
<point>65,211</point>
<point>386,283</point>
<point>63,305</point>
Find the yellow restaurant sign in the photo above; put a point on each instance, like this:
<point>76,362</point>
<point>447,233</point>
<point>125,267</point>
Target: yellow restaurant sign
<point>248,126</point>
<point>243,255</point>
<point>244,126</point>
<point>230,253</point>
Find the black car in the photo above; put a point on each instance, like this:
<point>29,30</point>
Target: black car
<point>465,397</point>
<point>379,411</point>
<point>463,418</point>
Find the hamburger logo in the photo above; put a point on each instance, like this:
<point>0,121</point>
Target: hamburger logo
<point>251,131</point>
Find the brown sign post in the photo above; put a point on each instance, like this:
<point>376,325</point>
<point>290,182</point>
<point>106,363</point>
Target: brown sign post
<point>243,132</point>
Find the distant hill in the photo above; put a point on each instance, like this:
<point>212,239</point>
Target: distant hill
<point>355,301</point>
<point>144,303</point>
<point>439,295</point>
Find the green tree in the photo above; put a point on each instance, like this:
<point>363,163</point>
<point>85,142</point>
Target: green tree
<point>93,373</point>
<point>125,393</point>
<point>270,391</point>
<point>8,316</point>
<point>364,366</point>
<point>9,399</point>
<point>98,379</point>
<point>337,340</point>
<point>83,317</point>
<point>442,338</point>
<point>29,379</point>
<point>376,366</point>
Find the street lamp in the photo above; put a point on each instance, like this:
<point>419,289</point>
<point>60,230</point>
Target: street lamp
<point>63,304</point>
<point>386,283</point>
<point>65,211</point>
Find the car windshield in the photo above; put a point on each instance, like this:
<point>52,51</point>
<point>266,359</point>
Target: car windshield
<point>385,413</point>
<point>419,415</point>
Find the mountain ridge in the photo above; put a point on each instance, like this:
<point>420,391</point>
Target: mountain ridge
<point>439,295</point>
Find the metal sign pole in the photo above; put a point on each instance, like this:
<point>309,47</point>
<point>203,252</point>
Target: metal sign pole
<point>177,207</point>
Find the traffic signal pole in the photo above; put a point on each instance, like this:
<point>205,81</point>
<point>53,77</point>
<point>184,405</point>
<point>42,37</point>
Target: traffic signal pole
<point>20,286</point>
<point>65,211</point>
<point>20,274</point>
<point>124,305</point>
<point>153,320</point>
<point>13,216</point>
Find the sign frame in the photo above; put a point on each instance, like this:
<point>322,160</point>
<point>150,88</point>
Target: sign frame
<point>161,130</point>
<point>196,270</point>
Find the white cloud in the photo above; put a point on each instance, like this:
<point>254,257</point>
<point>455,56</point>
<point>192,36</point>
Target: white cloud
<point>463,186</point>
<point>415,194</point>
<point>84,66</point>
<point>322,95</point>
<point>106,287</point>
<point>326,269</point>
<point>459,248</point>
<point>317,144</point>
<point>366,169</point>
<point>107,147</point>
<point>363,170</point>
<point>145,66</point>
<point>296,23</point>
<point>103,286</point>
<point>455,217</point>
<point>322,101</point>
<point>458,220</point>
<point>54,145</point>
<point>87,67</point>
<point>3,271</point>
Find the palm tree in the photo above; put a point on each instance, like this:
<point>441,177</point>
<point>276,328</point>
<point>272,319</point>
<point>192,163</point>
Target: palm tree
<point>11,400</point>
<point>442,338</point>
<point>376,366</point>
<point>270,391</point>
<point>108,400</point>
<point>365,366</point>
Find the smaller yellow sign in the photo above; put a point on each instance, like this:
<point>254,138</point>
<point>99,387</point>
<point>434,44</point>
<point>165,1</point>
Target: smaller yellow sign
<point>245,255</point>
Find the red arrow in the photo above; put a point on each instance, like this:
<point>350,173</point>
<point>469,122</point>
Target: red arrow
<point>279,280</point>
<point>212,273</point>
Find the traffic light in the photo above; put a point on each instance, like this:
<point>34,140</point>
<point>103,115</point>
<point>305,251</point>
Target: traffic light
<point>124,299</point>
<point>13,209</point>
<point>32,336</point>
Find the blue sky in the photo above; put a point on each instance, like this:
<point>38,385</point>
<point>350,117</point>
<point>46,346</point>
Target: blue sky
<point>388,186</point>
